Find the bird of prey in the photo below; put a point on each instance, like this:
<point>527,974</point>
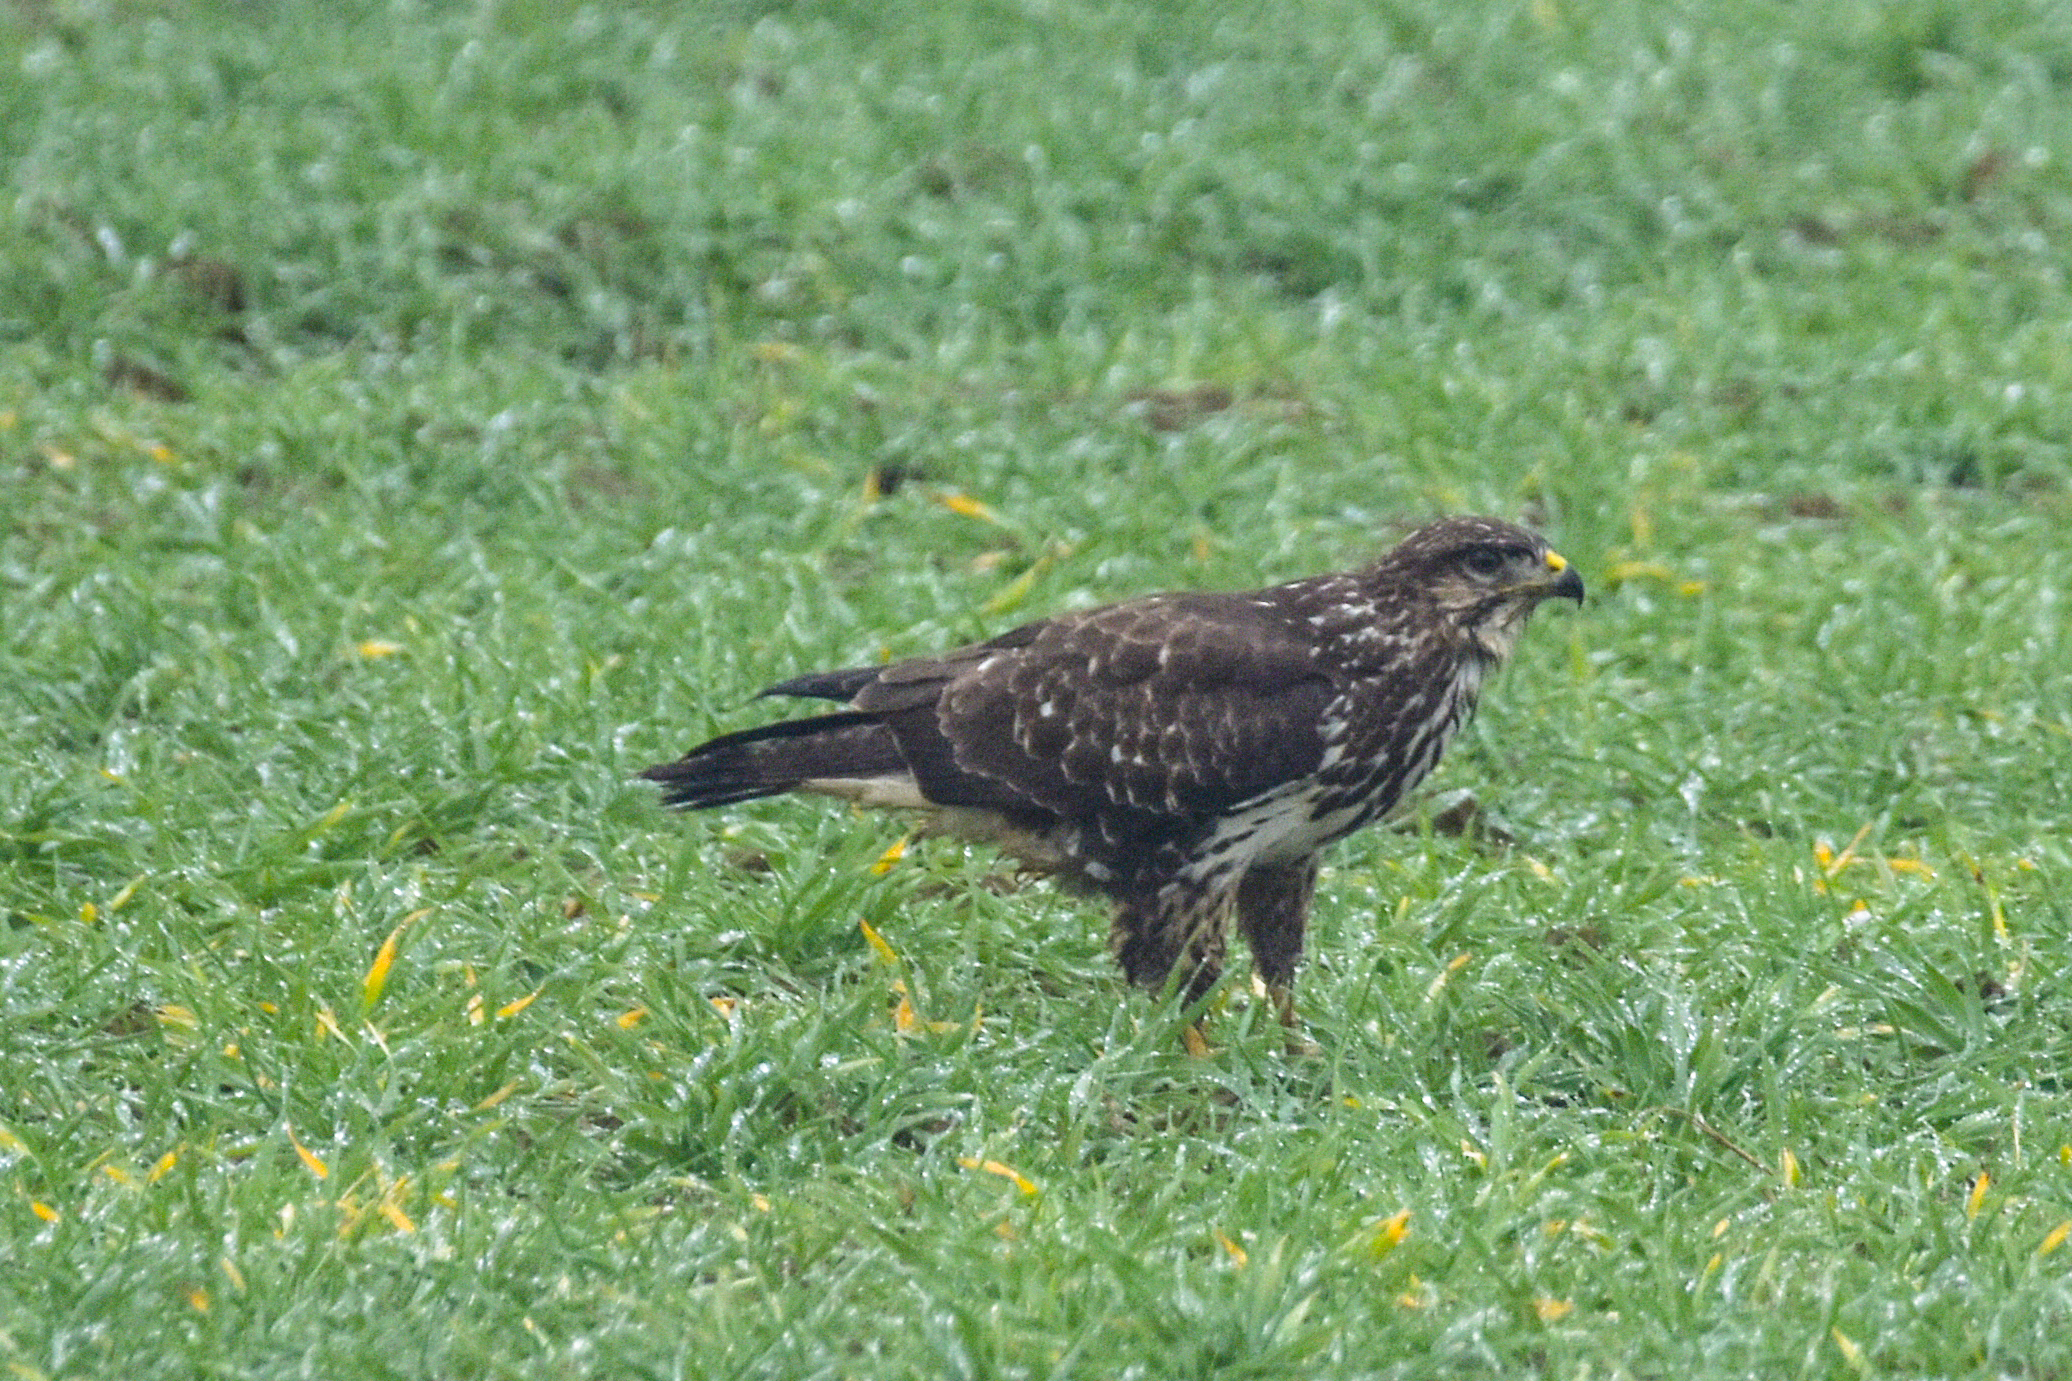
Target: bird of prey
<point>1186,755</point>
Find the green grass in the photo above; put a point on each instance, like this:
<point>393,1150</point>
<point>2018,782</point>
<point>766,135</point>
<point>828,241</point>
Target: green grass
<point>416,419</point>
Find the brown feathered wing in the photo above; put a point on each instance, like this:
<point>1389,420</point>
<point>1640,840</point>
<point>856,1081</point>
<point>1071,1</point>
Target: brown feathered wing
<point>1134,724</point>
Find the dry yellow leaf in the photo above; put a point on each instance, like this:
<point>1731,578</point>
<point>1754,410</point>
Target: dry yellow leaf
<point>1390,1232</point>
<point>994,1167</point>
<point>966,506</point>
<point>378,972</point>
<point>887,859</point>
<point>1851,1353</point>
<point>310,1158</point>
<point>517,1005</point>
<point>883,950</point>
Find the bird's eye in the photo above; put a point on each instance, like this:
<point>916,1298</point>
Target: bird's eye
<point>1484,561</point>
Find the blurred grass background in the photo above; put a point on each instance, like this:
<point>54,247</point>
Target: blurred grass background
<point>416,418</point>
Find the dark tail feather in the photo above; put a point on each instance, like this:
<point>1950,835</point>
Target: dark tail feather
<point>825,685</point>
<point>774,758</point>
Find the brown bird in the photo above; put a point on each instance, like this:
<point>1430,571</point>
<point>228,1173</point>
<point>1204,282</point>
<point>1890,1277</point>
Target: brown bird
<point>1186,755</point>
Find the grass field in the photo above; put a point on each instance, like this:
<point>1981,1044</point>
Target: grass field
<point>415,419</point>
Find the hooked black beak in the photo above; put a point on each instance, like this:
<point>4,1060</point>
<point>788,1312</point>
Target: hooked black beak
<point>1565,583</point>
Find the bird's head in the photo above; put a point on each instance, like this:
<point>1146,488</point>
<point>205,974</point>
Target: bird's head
<point>1484,577</point>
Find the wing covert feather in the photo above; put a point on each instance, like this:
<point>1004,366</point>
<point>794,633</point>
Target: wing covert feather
<point>1180,705</point>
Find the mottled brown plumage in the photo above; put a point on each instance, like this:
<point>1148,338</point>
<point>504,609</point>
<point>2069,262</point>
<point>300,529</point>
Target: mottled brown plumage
<point>1187,755</point>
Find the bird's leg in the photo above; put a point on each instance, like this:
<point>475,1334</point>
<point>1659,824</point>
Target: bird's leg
<point>1272,912</point>
<point>1282,996</point>
<point>1177,931</point>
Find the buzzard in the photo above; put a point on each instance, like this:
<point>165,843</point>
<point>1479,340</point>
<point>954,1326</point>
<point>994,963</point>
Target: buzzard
<point>1186,755</point>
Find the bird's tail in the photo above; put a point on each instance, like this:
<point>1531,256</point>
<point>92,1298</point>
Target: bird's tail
<point>775,758</point>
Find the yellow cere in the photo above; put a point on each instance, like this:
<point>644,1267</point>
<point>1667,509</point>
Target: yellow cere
<point>1556,561</point>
